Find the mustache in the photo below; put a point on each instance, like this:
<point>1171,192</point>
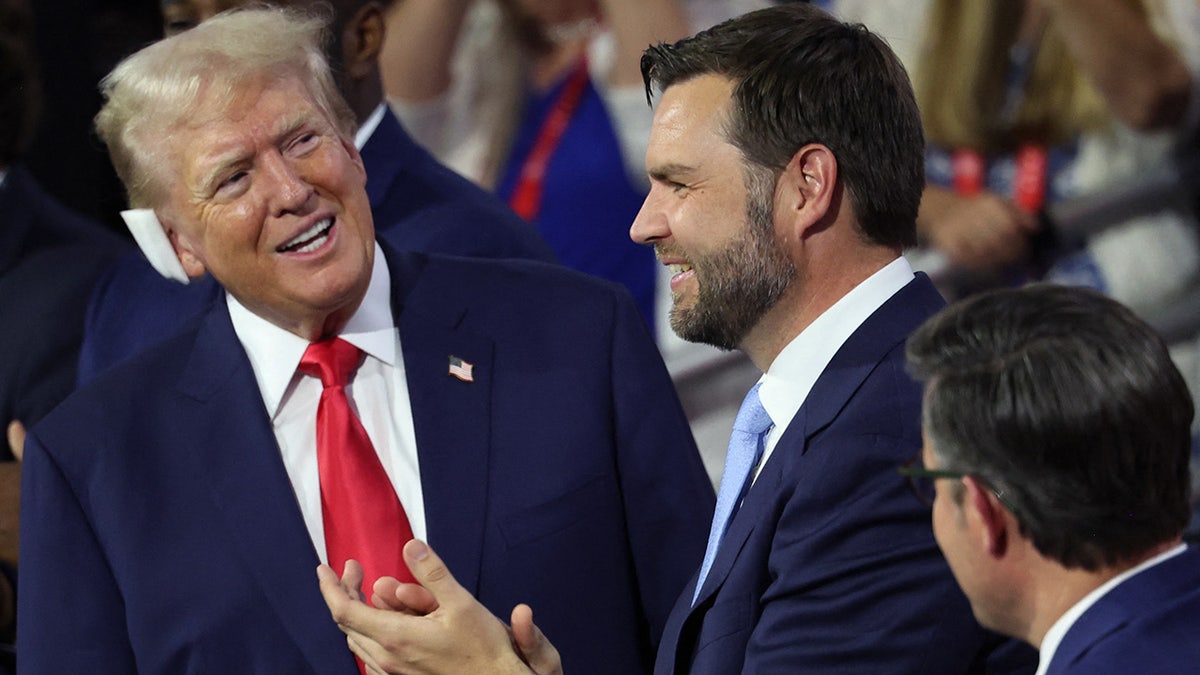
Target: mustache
<point>662,251</point>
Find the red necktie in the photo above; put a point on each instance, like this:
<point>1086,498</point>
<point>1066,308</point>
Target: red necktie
<point>362,516</point>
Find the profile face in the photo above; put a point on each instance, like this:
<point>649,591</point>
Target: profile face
<point>708,220</point>
<point>955,539</point>
<point>265,194</point>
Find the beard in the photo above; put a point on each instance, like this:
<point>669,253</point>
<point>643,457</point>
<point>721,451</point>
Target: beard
<point>740,284</point>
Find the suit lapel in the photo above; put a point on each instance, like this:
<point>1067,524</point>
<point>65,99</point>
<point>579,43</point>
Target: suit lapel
<point>886,328</point>
<point>250,488</point>
<point>451,416</point>
<point>1152,589</point>
<point>850,366</point>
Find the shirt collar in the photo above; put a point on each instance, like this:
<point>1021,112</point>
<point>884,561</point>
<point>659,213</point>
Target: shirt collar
<point>275,353</point>
<point>1062,626</point>
<point>368,126</point>
<point>791,376</point>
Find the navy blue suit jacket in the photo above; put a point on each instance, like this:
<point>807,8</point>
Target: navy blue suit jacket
<point>161,534</point>
<point>49,259</point>
<point>418,205</point>
<point>1147,624</point>
<point>830,563</point>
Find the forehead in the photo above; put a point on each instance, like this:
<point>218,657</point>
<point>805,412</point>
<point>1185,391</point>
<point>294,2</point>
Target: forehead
<point>248,103</point>
<point>226,128</point>
<point>690,120</point>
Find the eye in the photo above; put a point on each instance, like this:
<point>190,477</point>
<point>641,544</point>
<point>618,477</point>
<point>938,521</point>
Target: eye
<point>233,183</point>
<point>304,142</point>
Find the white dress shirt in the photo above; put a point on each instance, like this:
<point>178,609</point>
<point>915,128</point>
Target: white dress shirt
<point>378,393</point>
<point>1058,631</point>
<point>792,374</point>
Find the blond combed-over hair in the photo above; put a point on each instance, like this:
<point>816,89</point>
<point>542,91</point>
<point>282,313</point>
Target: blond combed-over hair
<point>155,90</point>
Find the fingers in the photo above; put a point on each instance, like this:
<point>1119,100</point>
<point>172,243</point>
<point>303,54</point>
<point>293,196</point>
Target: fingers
<point>361,624</point>
<point>337,598</point>
<point>429,571</point>
<point>532,645</point>
<point>389,593</point>
<point>352,579</point>
<point>408,598</point>
<point>16,438</point>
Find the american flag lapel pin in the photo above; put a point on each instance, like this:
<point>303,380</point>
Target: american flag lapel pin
<point>461,369</point>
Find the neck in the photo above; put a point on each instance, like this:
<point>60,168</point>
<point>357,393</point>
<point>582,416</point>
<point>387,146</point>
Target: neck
<point>821,280</point>
<point>363,95</point>
<point>1054,590</point>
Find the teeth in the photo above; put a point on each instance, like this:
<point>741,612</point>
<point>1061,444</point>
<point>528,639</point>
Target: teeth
<point>302,244</point>
<point>679,268</point>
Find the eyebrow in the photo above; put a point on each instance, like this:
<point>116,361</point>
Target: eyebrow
<point>670,171</point>
<point>220,163</point>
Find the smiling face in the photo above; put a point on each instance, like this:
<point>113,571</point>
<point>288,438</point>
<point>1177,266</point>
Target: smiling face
<point>269,198</point>
<point>710,218</point>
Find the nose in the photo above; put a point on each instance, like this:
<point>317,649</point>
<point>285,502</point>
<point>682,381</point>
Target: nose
<point>650,226</point>
<point>290,192</point>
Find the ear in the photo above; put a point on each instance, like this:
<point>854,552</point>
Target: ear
<point>185,250</point>
<point>362,40</point>
<point>986,515</point>
<point>807,186</point>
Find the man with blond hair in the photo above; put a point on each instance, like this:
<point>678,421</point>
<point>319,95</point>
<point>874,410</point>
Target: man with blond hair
<point>340,398</point>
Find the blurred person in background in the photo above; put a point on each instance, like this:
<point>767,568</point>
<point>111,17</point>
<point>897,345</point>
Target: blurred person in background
<point>1075,109</point>
<point>1028,103</point>
<point>541,101</point>
<point>50,257</point>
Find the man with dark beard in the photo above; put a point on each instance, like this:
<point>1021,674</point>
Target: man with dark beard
<point>785,162</point>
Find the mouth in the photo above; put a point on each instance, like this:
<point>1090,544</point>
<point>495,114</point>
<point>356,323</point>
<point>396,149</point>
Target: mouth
<point>308,240</point>
<point>679,268</point>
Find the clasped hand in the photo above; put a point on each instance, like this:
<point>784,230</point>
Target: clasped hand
<point>433,626</point>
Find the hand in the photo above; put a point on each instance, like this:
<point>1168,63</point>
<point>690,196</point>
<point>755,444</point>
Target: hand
<point>981,232</point>
<point>456,635</point>
<point>532,645</point>
<point>16,438</point>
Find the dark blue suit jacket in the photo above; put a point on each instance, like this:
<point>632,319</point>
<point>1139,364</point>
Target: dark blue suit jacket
<point>830,564</point>
<point>49,259</point>
<point>1148,624</point>
<point>418,205</point>
<point>160,533</point>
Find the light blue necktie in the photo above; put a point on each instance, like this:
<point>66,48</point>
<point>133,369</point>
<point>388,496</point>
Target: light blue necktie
<point>745,450</point>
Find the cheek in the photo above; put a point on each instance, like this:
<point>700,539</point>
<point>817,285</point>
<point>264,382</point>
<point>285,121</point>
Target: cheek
<point>232,227</point>
<point>938,517</point>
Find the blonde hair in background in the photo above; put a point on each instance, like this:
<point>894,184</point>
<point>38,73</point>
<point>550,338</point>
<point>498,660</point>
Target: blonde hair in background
<point>962,77</point>
<point>156,89</point>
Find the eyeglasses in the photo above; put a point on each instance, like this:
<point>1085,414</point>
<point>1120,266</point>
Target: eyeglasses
<point>921,480</point>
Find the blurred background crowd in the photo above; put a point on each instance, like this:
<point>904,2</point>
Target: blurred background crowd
<point>1061,145</point>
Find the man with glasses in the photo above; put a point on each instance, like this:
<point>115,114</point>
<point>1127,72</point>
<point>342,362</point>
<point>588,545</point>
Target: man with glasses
<point>1057,437</point>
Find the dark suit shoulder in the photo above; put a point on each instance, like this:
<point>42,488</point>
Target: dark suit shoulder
<point>419,204</point>
<point>510,285</point>
<point>125,395</point>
